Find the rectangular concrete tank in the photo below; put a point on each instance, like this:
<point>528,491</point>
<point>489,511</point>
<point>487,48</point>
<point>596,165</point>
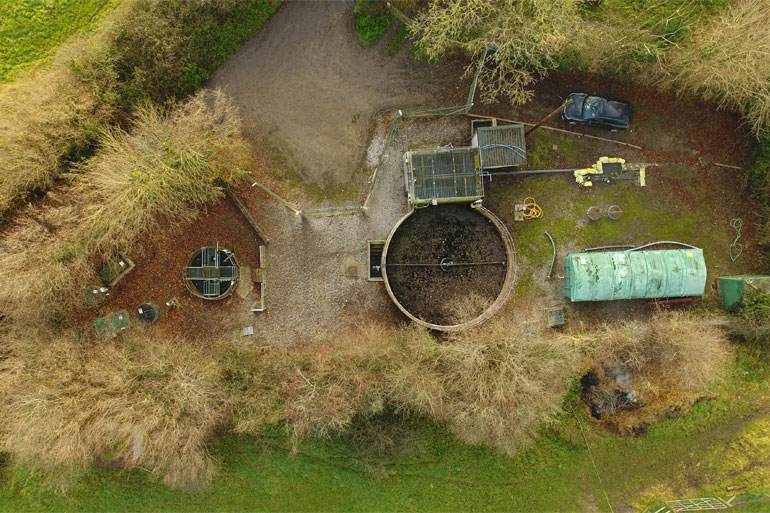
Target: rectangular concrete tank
<point>610,275</point>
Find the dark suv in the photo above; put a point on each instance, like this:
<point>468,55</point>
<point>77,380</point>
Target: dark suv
<point>595,111</point>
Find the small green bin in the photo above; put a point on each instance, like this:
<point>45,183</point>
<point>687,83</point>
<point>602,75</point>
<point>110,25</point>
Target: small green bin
<point>733,288</point>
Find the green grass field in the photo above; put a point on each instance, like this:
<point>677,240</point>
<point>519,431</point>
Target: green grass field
<point>30,30</point>
<point>724,442</point>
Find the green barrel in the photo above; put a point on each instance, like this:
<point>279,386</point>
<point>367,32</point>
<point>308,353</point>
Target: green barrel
<point>610,275</point>
<point>733,287</point>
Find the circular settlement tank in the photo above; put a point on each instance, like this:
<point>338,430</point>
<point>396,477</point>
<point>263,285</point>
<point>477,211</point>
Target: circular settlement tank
<point>211,273</point>
<point>449,267</point>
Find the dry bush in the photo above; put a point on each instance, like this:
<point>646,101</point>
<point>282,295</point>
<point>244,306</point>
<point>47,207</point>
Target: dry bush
<point>621,39</point>
<point>464,307</point>
<point>494,386</point>
<point>726,60</point>
<point>141,184</point>
<point>316,391</point>
<point>496,391</point>
<point>48,117</point>
<point>674,344</point>
<point>163,170</point>
<point>74,402</point>
<point>66,400</point>
<point>42,267</point>
<point>527,37</point>
<point>161,50</point>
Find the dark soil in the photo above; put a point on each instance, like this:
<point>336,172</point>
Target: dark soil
<point>430,293</point>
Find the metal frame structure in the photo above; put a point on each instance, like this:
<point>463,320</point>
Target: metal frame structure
<point>443,175</point>
<point>260,276</point>
<point>211,273</point>
<point>500,146</point>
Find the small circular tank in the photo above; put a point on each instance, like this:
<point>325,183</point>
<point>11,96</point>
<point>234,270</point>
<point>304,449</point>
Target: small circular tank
<point>211,273</point>
<point>147,313</point>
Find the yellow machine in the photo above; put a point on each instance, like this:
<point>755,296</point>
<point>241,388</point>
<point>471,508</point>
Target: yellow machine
<point>607,169</point>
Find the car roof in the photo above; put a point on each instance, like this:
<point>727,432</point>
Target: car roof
<point>614,110</point>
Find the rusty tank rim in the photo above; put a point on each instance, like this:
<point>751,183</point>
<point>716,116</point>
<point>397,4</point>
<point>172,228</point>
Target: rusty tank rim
<point>502,297</point>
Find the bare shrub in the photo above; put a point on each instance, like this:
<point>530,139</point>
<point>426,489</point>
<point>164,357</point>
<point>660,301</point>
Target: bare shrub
<point>464,307</point>
<point>48,116</point>
<point>67,401</point>
<point>74,402</point>
<point>675,344</point>
<point>725,60</point>
<point>318,390</point>
<point>42,267</point>
<point>526,35</point>
<point>496,391</point>
<point>164,169</point>
<point>623,39</point>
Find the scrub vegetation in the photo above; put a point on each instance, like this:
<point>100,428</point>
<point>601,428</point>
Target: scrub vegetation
<point>70,402</point>
<point>722,443</point>
<point>161,172</point>
<point>683,44</point>
<point>147,50</point>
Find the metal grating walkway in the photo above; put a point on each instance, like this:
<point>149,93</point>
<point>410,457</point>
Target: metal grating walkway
<point>443,175</point>
<point>501,146</point>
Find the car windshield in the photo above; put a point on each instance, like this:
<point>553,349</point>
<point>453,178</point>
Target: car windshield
<point>591,107</point>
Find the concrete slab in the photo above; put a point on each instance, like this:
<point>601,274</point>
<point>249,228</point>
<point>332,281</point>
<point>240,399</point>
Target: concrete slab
<point>245,285</point>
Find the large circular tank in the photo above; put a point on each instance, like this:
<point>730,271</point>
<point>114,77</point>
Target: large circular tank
<point>449,267</point>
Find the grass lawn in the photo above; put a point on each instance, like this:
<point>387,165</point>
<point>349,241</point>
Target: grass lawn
<point>30,30</point>
<point>724,442</point>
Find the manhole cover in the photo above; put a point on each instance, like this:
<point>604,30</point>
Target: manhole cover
<point>351,269</point>
<point>146,313</point>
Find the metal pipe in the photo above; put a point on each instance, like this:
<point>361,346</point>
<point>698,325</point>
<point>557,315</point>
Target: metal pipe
<point>453,264</point>
<point>531,172</point>
<point>611,247</point>
<point>549,116</point>
<point>663,242</point>
<point>576,134</point>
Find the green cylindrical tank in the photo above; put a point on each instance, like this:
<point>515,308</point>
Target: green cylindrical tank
<point>733,287</point>
<point>609,275</point>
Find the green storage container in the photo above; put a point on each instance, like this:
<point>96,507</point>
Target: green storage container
<point>610,275</point>
<point>733,287</point>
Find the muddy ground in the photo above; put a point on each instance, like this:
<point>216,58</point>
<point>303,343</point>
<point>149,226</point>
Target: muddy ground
<point>308,89</point>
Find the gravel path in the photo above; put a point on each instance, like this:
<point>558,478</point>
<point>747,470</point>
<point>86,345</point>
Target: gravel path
<point>305,85</point>
<point>308,293</point>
